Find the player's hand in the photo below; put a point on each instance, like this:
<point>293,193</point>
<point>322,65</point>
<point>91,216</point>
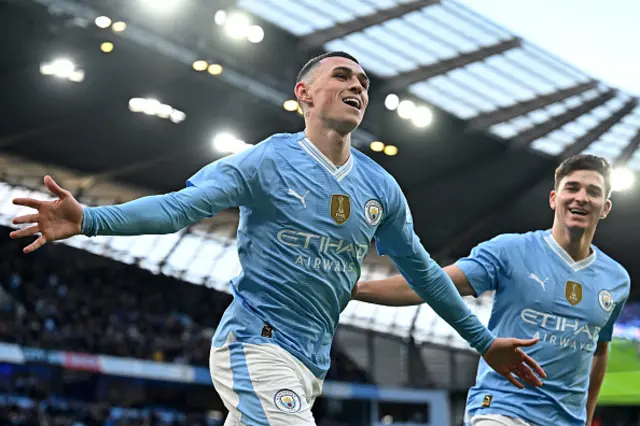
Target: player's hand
<point>507,359</point>
<point>55,220</point>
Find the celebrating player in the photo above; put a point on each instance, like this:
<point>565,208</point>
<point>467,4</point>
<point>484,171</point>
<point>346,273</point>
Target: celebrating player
<point>310,206</point>
<point>553,285</point>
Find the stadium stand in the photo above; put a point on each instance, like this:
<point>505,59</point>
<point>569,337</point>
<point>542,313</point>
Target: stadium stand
<point>112,309</point>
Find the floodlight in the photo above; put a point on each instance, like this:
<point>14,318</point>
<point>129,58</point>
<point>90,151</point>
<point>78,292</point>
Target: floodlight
<point>106,47</point>
<point>119,26</point>
<point>376,146</point>
<point>237,25</point>
<point>392,101</point>
<point>103,22</point>
<point>422,116</point>
<point>290,105</point>
<point>220,17</point>
<point>255,34</point>
<point>391,150</point>
<point>406,109</point>
<point>162,6</point>
<point>215,69</point>
<point>622,179</point>
<point>200,65</point>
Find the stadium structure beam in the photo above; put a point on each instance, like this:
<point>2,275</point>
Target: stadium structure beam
<point>483,121</point>
<point>426,72</point>
<point>319,38</point>
<point>525,138</point>
<point>628,151</point>
<point>513,196</point>
<point>594,134</point>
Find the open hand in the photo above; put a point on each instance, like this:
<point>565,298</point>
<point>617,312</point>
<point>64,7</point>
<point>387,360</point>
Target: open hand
<point>506,358</point>
<point>55,220</point>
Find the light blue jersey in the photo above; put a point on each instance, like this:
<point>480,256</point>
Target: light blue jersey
<point>305,228</point>
<point>541,292</point>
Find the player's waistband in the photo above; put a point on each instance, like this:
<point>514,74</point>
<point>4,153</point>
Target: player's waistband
<point>247,326</point>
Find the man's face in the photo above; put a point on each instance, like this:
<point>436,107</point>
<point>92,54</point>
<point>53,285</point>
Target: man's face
<point>580,200</point>
<point>337,93</point>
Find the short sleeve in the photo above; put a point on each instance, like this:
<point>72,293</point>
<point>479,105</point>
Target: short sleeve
<point>606,334</point>
<point>232,181</point>
<point>395,237</point>
<point>486,263</point>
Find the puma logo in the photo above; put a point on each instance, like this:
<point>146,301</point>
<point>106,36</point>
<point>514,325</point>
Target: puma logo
<point>538,280</point>
<point>299,197</point>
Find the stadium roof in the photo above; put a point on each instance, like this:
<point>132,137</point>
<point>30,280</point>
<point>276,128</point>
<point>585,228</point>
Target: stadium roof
<point>504,111</point>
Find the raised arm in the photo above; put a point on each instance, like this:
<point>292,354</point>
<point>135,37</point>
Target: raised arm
<point>228,182</point>
<point>395,238</point>
<point>65,217</point>
<point>395,291</point>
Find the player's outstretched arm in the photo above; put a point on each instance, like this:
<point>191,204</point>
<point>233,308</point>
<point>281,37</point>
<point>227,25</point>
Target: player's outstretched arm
<point>65,216</point>
<point>54,220</point>
<point>395,291</point>
<point>435,287</point>
<point>396,238</point>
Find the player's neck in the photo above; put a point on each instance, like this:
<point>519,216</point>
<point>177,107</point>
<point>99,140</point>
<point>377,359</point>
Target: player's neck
<point>577,245</point>
<point>336,147</point>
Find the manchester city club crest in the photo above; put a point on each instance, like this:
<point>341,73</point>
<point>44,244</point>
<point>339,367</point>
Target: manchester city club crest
<point>340,208</point>
<point>287,400</point>
<point>573,292</point>
<point>606,300</point>
<point>373,212</point>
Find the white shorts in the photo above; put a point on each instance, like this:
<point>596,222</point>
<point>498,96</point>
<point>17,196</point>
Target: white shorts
<point>263,385</point>
<point>497,420</point>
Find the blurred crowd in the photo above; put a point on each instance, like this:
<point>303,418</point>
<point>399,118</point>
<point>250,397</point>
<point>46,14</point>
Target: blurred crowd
<point>29,400</point>
<point>61,298</point>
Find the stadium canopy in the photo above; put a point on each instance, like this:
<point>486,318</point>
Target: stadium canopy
<point>447,55</point>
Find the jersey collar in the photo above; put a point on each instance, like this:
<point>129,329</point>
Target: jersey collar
<point>562,253</point>
<point>338,172</point>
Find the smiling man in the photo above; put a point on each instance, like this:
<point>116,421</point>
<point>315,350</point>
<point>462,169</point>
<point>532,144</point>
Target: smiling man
<point>555,286</point>
<point>310,205</point>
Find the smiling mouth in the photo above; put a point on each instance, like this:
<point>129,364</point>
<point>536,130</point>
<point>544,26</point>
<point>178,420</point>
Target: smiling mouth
<point>579,212</point>
<point>353,102</point>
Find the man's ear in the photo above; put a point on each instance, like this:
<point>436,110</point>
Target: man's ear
<point>552,199</point>
<point>302,92</point>
<point>607,209</point>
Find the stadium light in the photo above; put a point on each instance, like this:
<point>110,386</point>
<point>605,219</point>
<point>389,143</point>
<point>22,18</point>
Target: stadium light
<point>422,116</point>
<point>622,179</point>
<point>136,104</point>
<point>237,25</point>
<point>200,65</point>
<point>391,102</point>
<point>227,143</point>
<point>119,26</point>
<point>62,68</point>
<point>103,22</point>
<point>391,150</point>
<point>177,116</point>
<point>406,109</point>
<point>220,17</point>
<point>376,146</point>
<point>77,76</point>
<point>162,6</point>
<point>215,69</point>
<point>153,107</point>
<point>255,34</point>
<point>106,47</point>
<point>290,105</point>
